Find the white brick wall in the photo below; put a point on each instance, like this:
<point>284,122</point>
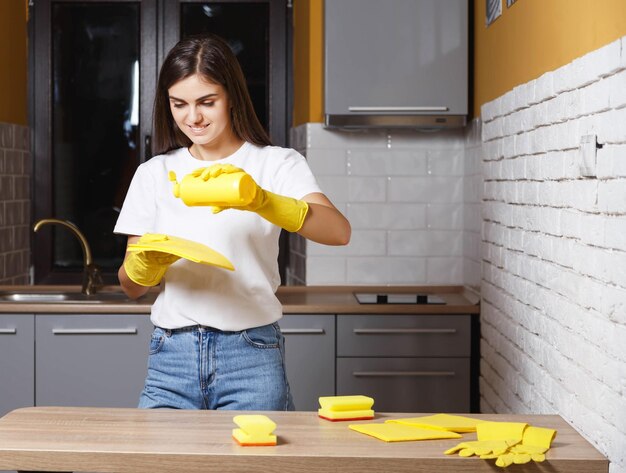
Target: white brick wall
<point>553,250</point>
<point>404,194</point>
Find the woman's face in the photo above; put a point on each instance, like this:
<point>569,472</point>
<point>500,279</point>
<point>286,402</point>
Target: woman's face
<point>201,109</point>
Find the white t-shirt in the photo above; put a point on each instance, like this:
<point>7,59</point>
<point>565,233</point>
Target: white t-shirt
<point>194,293</point>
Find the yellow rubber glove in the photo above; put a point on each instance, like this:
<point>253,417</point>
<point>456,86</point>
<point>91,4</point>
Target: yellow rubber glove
<point>146,268</point>
<point>536,441</point>
<point>494,438</point>
<point>480,447</point>
<point>286,212</point>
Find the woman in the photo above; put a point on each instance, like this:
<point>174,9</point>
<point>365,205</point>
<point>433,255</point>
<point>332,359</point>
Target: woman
<point>216,343</point>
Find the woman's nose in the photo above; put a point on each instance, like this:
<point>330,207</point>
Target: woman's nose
<point>194,115</point>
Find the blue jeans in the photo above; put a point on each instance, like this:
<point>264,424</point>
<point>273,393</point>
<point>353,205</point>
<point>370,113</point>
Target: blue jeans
<point>204,368</point>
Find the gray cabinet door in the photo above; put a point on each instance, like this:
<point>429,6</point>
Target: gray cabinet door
<point>17,361</point>
<point>310,358</point>
<point>91,360</point>
<point>407,384</point>
<point>396,55</point>
<point>403,335</point>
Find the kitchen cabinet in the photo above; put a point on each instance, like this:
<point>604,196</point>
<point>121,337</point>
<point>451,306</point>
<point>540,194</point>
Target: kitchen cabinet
<point>309,357</point>
<point>91,360</point>
<point>17,361</point>
<point>399,63</point>
<point>406,363</point>
<point>410,357</point>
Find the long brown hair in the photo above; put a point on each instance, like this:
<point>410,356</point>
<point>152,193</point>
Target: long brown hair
<point>209,56</point>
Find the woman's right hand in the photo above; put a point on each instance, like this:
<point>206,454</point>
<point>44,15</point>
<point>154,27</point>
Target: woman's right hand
<point>142,269</point>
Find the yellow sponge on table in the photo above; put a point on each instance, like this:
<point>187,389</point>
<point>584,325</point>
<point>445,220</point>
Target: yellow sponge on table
<point>336,408</point>
<point>452,423</point>
<point>254,430</point>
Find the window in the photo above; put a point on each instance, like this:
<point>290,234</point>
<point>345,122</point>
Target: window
<point>91,107</point>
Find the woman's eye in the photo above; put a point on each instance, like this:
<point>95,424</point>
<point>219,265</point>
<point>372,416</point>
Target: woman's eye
<point>179,105</point>
<point>208,104</point>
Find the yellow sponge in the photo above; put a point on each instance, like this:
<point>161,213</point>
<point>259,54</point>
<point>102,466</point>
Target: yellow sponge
<point>254,430</point>
<point>336,408</point>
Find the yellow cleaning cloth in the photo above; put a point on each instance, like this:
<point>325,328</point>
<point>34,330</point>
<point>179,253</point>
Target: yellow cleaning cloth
<point>255,430</point>
<point>401,433</point>
<point>449,422</point>
<point>346,407</point>
<point>191,250</point>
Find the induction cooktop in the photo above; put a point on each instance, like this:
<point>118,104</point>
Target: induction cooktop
<point>388,298</point>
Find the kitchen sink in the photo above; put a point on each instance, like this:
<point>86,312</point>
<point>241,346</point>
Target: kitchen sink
<point>64,297</point>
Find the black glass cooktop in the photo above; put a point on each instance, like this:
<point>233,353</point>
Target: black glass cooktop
<point>384,298</point>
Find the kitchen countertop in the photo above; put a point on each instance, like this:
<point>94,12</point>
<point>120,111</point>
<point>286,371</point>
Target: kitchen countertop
<point>147,440</point>
<point>295,300</point>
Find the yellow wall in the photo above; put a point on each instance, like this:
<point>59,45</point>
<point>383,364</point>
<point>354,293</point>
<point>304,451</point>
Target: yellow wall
<point>530,38</point>
<point>535,36</point>
<point>308,61</point>
<point>13,57</point>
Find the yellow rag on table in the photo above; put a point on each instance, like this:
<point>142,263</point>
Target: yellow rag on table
<point>452,423</point>
<point>402,433</point>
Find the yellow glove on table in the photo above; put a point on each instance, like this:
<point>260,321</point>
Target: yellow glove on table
<point>494,438</point>
<point>146,268</point>
<point>536,441</point>
<point>286,212</point>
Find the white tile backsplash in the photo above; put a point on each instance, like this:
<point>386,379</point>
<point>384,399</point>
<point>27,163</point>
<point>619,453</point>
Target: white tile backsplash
<point>425,243</point>
<point>323,270</point>
<point>367,189</point>
<point>404,193</point>
<point>444,216</point>
<point>445,270</point>
<point>446,162</point>
<point>387,162</point>
<point>363,243</point>
<point>386,270</point>
<point>387,216</point>
<point>327,162</point>
<point>436,189</point>
<point>335,188</point>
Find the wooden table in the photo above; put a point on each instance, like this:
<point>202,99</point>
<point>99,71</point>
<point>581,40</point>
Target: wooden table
<point>136,440</point>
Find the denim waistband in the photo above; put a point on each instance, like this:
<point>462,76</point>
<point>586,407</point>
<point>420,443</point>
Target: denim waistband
<point>190,328</point>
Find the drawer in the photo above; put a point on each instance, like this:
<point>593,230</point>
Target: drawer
<point>309,357</point>
<point>408,384</point>
<point>91,360</point>
<point>401,335</point>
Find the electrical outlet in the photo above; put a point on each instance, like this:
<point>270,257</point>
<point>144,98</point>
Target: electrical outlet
<point>587,155</point>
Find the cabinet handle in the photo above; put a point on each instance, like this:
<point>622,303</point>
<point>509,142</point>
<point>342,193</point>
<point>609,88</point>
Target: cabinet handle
<point>302,331</point>
<point>94,331</point>
<point>399,331</point>
<point>398,109</point>
<point>8,331</point>
<point>388,374</point>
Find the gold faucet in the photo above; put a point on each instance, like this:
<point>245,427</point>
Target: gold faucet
<point>92,279</point>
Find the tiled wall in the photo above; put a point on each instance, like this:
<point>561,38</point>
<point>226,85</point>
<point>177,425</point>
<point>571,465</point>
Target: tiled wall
<point>15,171</point>
<point>403,193</point>
<point>472,200</point>
<point>553,309</point>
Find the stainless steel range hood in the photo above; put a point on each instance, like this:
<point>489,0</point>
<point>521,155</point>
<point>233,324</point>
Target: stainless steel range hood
<point>380,119</point>
<point>396,64</point>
